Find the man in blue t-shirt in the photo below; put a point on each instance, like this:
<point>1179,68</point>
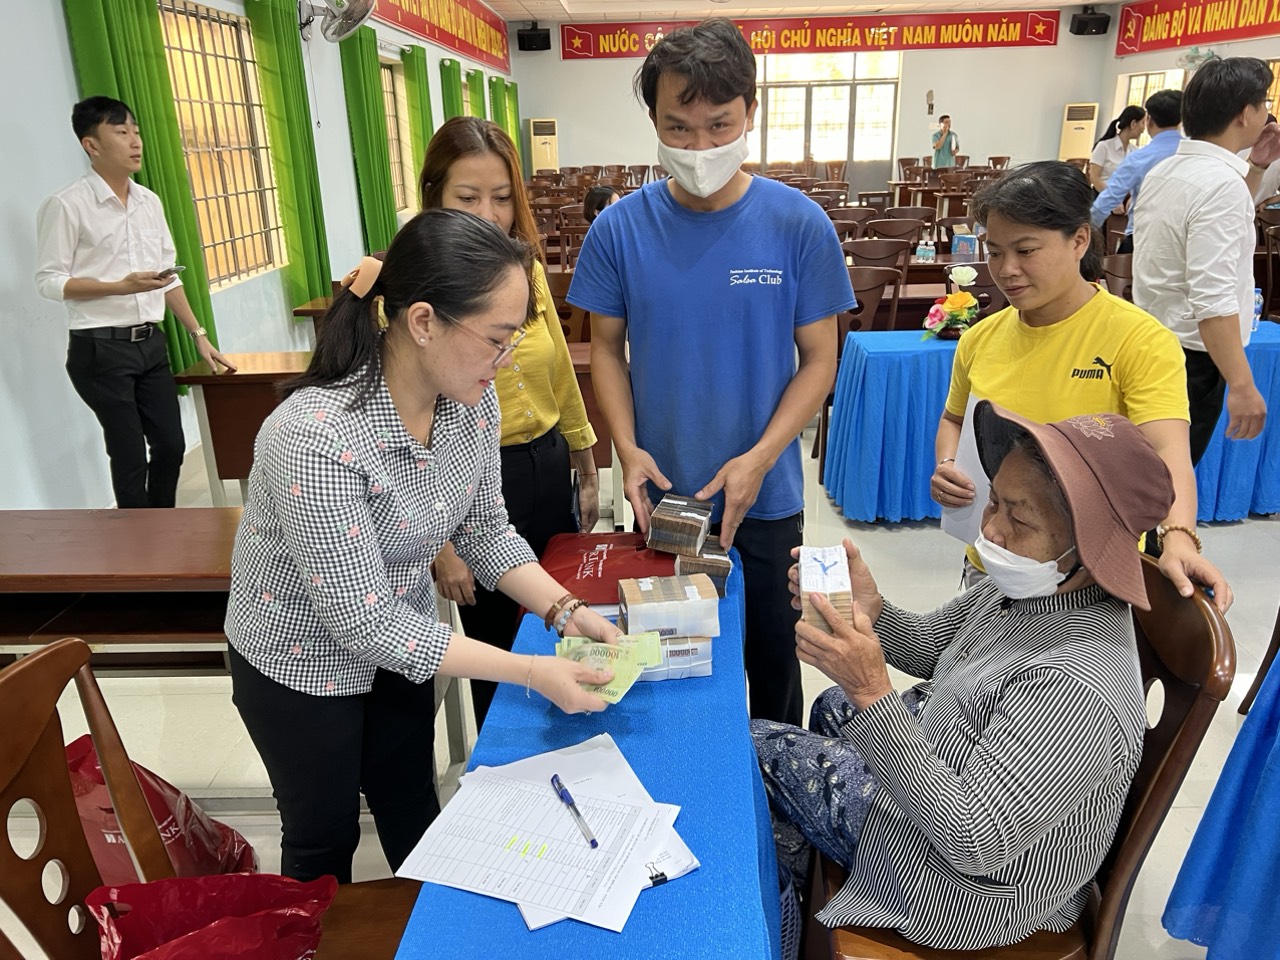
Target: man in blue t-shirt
<point>716,280</point>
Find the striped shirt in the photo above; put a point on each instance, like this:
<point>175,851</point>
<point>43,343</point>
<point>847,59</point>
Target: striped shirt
<point>998,803</point>
<point>331,571</point>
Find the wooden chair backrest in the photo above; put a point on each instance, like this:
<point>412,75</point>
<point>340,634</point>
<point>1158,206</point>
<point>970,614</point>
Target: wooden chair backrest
<point>836,169</point>
<point>572,236</point>
<point>847,229</point>
<point>33,766</point>
<point>984,289</point>
<point>915,173</point>
<point>904,164</point>
<point>998,163</point>
<point>1080,163</point>
<point>962,161</point>
<point>834,196</point>
<point>639,173</point>
<point>927,214</point>
<point>570,171</point>
<point>1117,269</point>
<point>896,229</point>
<point>831,185</point>
<point>869,284</point>
<point>575,321</point>
<point>875,252</point>
<point>856,214</point>
<point>947,225</point>
<point>820,199</point>
<point>568,215</point>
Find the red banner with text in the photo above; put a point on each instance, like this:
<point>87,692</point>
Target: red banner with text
<point>1162,25</point>
<point>467,26</point>
<point>948,31</point>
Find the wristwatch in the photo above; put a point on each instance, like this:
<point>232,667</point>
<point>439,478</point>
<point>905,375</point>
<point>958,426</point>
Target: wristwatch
<point>198,332</point>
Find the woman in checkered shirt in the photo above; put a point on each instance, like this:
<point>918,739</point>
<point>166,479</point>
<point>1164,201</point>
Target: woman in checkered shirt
<point>386,448</point>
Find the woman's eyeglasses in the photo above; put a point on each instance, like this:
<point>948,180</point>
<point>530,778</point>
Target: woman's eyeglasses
<point>504,349</point>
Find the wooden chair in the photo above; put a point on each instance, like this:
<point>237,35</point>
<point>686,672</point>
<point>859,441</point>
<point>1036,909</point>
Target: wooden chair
<point>896,229</point>
<point>568,214</point>
<point>1185,647</point>
<point>998,163</point>
<point>366,919</point>
<point>33,766</point>
<point>847,229</point>
<point>593,169</point>
<point>904,164</point>
<point>1271,237</point>
<point>1117,269</point>
<point>875,252</point>
<point>568,172</point>
<point>572,237</point>
<point>927,214</point>
<point>777,170</point>
<point>804,184</point>
<point>868,287</point>
<point>575,321</point>
<point>984,289</point>
<point>751,167</point>
<point>1268,658</point>
<point>947,229</point>
<point>660,172</point>
<point>555,176</point>
<point>916,173</point>
<point>837,196</point>
<point>1113,229</point>
<point>962,161</point>
<point>821,200</point>
<point>1080,163</point>
<point>836,169</point>
<point>832,185</point>
<point>639,174</point>
<point>856,214</point>
<point>615,170</point>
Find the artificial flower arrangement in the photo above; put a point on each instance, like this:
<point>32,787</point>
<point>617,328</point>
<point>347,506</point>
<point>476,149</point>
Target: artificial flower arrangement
<point>953,314</point>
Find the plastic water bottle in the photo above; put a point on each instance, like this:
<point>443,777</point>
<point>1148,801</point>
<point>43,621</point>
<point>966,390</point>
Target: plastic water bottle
<point>920,250</point>
<point>1258,306</point>
<point>930,255</point>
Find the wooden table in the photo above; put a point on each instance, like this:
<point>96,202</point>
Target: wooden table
<point>230,408</point>
<point>921,271</point>
<point>313,308</point>
<point>146,585</point>
<point>913,303</point>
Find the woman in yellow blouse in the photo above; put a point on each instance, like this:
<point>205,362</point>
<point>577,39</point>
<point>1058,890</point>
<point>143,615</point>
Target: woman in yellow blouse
<point>471,165</point>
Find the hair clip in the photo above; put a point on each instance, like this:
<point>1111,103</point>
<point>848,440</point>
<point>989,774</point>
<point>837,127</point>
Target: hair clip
<point>361,280</point>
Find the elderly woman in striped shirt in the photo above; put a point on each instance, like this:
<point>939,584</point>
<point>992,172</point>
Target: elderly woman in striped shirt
<point>976,808</point>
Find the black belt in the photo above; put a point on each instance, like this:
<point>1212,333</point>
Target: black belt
<point>133,334</point>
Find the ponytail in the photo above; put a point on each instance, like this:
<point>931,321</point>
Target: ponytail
<point>347,339</point>
<point>1127,116</point>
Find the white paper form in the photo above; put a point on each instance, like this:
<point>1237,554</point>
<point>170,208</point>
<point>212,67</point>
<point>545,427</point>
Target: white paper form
<point>963,523</point>
<point>506,834</point>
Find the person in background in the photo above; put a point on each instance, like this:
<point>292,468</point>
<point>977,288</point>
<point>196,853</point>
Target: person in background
<point>104,249</point>
<point>1164,115</point>
<point>597,198</point>
<point>1194,242</point>
<point>386,447</point>
<point>945,144</point>
<point>1064,347</point>
<point>1268,185</point>
<point>975,808</point>
<point>472,165</point>
<point>1118,140</point>
<point>698,404</point>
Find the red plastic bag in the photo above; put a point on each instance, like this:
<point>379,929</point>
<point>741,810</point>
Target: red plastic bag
<point>198,845</point>
<point>212,918</point>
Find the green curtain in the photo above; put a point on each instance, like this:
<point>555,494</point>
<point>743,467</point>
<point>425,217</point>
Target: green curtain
<point>475,84</point>
<point>118,51</point>
<point>498,103</point>
<point>513,113</point>
<point>278,45</point>
<point>418,93</point>
<point>451,88</point>
<point>367,120</point>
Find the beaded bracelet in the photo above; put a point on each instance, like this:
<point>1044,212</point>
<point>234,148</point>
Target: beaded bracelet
<point>1161,531</point>
<point>562,622</point>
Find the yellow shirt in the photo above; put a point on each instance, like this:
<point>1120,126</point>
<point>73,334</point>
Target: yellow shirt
<point>540,390</point>
<point>1107,357</point>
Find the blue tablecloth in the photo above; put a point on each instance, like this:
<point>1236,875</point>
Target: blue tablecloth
<point>1227,896</point>
<point>689,743</point>
<point>890,392</point>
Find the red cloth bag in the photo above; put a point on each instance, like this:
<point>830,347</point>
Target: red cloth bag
<point>591,564</point>
<point>212,918</point>
<point>197,844</point>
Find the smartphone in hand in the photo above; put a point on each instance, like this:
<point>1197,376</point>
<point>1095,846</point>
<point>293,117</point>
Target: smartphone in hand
<point>172,271</point>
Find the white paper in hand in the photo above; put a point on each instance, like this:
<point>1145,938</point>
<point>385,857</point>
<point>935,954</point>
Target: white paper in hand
<point>963,523</point>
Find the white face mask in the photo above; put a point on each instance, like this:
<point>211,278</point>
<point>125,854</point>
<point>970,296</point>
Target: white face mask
<point>703,172</point>
<point>1020,578</point>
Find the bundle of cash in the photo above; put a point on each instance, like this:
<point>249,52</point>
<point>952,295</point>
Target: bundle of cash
<point>681,657</point>
<point>713,560</point>
<point>679,525</point>
<point>825,570</point>
<point>626,658</point>
<point>686,606</point>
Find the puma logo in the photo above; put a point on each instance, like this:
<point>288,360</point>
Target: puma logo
<point>1099,362</point>
<point>1088,373</point>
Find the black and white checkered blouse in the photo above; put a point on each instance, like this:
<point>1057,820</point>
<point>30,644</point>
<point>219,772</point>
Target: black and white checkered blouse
<point>331,572</point>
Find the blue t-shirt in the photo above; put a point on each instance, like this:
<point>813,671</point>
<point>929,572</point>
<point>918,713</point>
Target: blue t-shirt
<point>711,302</point>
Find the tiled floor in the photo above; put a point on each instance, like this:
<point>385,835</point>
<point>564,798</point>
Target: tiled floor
<point>187,730</point>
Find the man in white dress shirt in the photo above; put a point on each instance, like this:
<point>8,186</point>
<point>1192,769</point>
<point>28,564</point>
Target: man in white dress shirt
<point>1194,241</point>
<point>104,248</point>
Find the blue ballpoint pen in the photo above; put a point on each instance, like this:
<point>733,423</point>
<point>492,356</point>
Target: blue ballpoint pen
<point>558,785</point>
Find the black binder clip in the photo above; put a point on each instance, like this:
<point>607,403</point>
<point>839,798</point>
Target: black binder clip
<point>656,876</point>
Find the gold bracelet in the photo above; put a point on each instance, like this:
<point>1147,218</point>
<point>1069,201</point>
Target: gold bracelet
<point>528,680</point>
<point>1161,531</point>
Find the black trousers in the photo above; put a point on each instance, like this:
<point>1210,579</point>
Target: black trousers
<point>1206,391</point>
<point>1126,245</point>
<point>130,389</point>
<point>773,672</point>
<point>538,490</point>
<point>322,752</point>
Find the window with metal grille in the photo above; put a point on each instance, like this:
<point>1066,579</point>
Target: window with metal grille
<point>1139,86</point>
<point>224,138</point>
<point>391,97</point>
<point>1273,92</point>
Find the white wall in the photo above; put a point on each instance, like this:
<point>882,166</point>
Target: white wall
<point>1003,102</point>
<point>1116,67</point>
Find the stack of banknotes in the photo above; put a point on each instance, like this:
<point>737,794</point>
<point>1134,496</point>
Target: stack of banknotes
<point>679,525</point>
<point>825,570</point>
<point>626,658</point>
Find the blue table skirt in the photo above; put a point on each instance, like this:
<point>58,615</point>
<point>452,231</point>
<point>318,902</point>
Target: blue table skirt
<point>1227,896</point>
<point>890,392</point>
<point>689,743</point>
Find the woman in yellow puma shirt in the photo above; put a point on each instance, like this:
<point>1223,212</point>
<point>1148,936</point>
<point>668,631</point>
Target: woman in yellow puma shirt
<point>1064,347</point>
